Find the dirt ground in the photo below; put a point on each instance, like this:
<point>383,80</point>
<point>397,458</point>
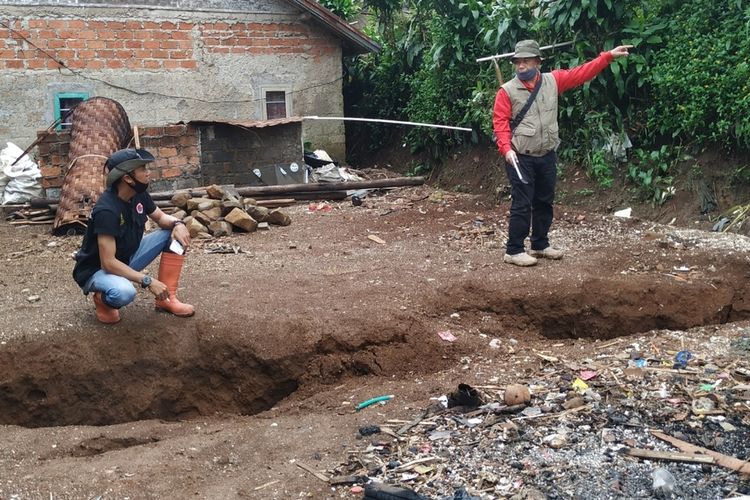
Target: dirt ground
<point>297,325</point>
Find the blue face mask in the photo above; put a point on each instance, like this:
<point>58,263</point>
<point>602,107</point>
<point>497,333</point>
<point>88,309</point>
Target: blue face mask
<point>527,75</point>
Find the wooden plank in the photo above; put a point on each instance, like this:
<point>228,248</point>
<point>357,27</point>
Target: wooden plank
<point>312,471</point>
<point>29,222</point>
<point>724,460</point>
<point>670,456</point>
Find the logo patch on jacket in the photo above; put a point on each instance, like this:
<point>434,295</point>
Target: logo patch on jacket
<point>122,220</point>
<point>139,208</point>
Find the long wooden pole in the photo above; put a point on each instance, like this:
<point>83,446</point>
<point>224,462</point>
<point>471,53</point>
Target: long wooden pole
<point>286,189</point>
<point>380,120</point>
<point>510,54</point>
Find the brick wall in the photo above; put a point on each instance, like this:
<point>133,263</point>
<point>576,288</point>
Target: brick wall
<point>148,45</point>
<point>88,44</point>
<point>174,146</point>
<point>265,39</point>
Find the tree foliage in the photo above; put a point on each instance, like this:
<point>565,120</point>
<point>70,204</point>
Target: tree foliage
<point>685,83</point>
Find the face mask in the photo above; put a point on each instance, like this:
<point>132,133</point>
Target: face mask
<point>138,186</point>
<point>527,75</point>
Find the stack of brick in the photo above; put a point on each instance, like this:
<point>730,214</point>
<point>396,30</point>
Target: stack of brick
<point>223,212</point>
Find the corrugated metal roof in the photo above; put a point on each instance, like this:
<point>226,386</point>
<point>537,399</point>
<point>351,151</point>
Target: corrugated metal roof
<point>249,123</point>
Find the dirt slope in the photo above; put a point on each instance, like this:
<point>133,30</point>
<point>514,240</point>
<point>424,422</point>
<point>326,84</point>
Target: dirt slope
<point>302,323</point>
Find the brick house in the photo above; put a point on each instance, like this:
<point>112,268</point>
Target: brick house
<point>175,62</point>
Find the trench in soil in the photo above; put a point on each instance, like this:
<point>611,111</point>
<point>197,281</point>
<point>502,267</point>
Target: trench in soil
<point>104,379</point>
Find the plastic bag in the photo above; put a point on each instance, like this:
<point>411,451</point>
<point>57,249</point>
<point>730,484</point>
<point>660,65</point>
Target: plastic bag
<point>22,179</point>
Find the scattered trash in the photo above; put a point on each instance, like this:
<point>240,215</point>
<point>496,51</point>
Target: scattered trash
<point>381,491</point>
<point>323,207</point>
<point>369,430</point>
<point>664,482</point>
<point>546,432</point>
<point>741,343</point>
<point>516,394</point>
<point>625,213</point>
<point>682,359</point>
<point>359,196</point>
<point>376,239</point>
<point>579,386</point>
<point>370,402</point>
<point>719,226</point>
<point>587,375</point>
<point>465,396</point>
<point>447,336</point>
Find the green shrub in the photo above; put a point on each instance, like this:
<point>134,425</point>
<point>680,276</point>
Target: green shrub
<point>700,80</point>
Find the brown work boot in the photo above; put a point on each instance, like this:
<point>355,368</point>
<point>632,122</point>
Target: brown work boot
<point>170,267</point>
<point>104,313</point>
<point>520,259</point>
<point>548,253</point>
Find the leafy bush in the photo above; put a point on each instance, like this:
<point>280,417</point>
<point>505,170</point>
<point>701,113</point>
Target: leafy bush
<point>701,78</point>
<point>651,172</point>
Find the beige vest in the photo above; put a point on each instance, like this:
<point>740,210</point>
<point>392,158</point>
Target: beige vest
<point>537,134</point>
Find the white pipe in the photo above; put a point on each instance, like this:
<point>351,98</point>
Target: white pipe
<point>510,54</point>
<point>378,120</point>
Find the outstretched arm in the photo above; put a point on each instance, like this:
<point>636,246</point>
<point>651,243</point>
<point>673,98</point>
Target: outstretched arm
<point>569,78</point>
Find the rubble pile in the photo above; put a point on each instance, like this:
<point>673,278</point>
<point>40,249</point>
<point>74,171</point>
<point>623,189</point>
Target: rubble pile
<point>664,416</point>
<point>222,212</point>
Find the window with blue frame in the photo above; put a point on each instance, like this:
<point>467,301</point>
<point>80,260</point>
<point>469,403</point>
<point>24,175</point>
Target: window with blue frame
<point>64,103</point>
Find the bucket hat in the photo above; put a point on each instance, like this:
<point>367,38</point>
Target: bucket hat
<point>124,162</point>
<point>527,48</point>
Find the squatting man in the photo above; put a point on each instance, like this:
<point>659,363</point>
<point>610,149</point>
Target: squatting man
<point>115,251</point>
<point>525,124</point>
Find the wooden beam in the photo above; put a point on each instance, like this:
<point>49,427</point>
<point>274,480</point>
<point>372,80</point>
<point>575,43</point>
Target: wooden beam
<point>724,460</point>
<point>670,456</point>
<point>286,189</point>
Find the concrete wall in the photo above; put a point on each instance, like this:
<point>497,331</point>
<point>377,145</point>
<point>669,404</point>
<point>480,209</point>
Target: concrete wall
<point>230,154</point>
<point>167,61</point>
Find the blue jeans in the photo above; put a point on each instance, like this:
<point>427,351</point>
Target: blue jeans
<point>118,291</point>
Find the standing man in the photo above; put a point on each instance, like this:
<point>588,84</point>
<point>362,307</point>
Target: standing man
<point>114,250</point>
<point>527,136</point>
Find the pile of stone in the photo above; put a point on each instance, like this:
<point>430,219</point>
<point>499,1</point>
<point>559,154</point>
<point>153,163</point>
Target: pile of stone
<point>223,211</point>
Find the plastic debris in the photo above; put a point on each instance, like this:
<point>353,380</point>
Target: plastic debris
<point>381,491</point>
<point>323,207</point>
<point>682,359</point>
<point>370,402</point>
<point>368,430</point>
<point>625,213</point>
<point>447,336</point>
<point>664,482</point>
<point>579,385</point>
<point>587,374</point>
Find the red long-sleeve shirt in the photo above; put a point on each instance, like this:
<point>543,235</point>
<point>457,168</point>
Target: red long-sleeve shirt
<point>566,79</point>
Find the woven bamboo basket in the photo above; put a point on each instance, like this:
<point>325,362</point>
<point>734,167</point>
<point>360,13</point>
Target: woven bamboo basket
<point>99,127</point>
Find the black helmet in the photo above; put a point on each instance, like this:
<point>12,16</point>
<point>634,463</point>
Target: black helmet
<point>125,161</point>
